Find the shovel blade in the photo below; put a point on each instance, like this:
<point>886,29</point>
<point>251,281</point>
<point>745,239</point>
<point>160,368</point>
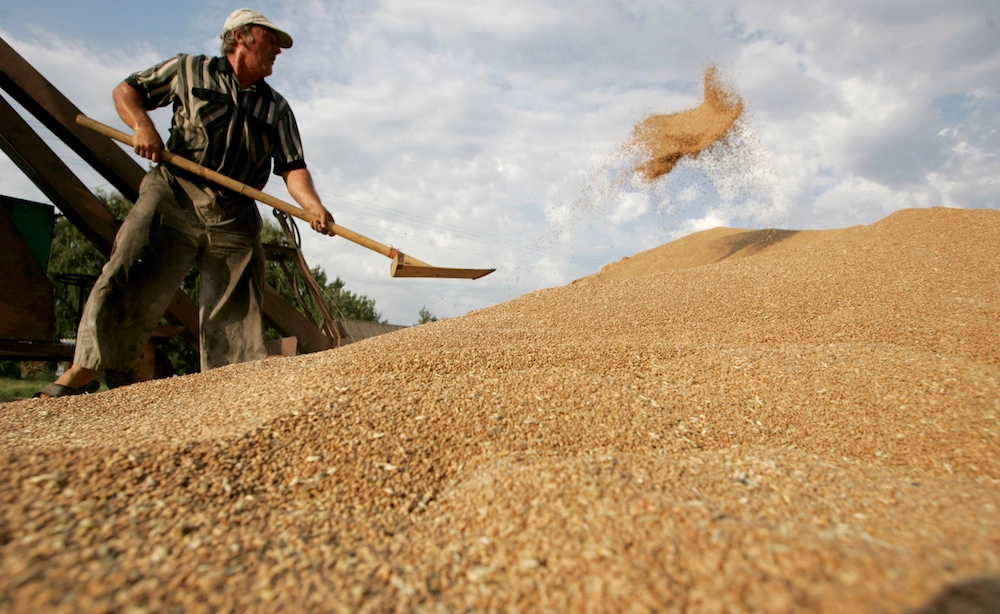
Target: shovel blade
<point>409,270</point>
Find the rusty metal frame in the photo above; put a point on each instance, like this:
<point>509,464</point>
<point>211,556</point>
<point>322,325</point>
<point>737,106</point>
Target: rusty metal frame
<point>26,305</point>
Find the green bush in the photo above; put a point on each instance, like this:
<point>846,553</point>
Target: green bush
<point>10,369</point>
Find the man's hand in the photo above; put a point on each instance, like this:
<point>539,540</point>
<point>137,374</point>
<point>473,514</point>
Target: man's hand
<point>146,141</point>
<point>301,187</point>
<point>324,219</point>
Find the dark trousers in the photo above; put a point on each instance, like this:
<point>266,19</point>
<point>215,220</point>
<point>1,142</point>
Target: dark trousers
<point>175,223</point>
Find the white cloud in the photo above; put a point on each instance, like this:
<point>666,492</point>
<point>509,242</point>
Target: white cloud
<point>691,193</point>
<point>864,202</point>
<point>712,219</point>
<point>631,205</point>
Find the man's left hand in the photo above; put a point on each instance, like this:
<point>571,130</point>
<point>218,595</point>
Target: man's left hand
<point>301,187</point>
<point>322,223</point>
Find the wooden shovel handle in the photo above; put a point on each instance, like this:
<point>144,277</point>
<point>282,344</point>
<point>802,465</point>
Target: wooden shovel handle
<point>245,190</point>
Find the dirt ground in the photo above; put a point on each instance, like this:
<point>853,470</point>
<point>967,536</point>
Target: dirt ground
<point>738,421</point>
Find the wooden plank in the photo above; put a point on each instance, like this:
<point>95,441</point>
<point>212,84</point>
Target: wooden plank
<point>22,350</point>
<point>409,270</point>
<point>291,323</point>
<point>285,347</point>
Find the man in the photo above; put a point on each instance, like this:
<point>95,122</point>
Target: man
<point>226,118</point>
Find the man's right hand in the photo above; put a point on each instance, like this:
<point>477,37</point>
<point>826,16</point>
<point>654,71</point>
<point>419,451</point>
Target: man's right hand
<point>147,142</point>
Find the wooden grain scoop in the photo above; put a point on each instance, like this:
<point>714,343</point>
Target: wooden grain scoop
<point>402,265</point>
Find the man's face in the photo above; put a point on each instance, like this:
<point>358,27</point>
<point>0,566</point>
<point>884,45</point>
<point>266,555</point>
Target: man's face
<point>262,51</point>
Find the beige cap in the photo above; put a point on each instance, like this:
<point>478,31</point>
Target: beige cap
<point>243,17</point>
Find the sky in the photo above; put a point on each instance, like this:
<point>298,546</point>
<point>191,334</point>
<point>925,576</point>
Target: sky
<point>489,134</point>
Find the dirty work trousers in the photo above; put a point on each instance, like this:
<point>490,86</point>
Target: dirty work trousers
<point>175,223</point>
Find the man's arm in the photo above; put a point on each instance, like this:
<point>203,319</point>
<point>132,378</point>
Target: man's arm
<point>301,187</point>
<point>146,141</point>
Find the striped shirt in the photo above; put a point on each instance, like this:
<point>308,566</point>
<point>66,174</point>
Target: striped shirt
<point>218,124</point>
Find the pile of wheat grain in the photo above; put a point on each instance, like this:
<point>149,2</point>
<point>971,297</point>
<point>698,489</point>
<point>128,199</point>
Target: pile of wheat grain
<point>737,421</point>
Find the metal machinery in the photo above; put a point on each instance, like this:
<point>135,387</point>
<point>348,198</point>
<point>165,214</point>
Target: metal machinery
<point>26,308</point>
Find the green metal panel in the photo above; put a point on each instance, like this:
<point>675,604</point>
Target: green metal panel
<point>34,222</point>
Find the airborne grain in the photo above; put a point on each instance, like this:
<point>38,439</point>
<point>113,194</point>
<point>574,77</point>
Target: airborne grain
<point>665,139</point>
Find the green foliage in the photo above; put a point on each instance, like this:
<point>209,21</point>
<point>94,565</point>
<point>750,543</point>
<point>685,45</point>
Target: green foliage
<point>183,358</point>
<point>10,369</point>
<point>347,304</point>
<point>426,316</point>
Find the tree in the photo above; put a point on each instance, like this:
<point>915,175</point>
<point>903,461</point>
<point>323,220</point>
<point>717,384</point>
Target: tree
<point>426,316</point>
<point>10,369</point>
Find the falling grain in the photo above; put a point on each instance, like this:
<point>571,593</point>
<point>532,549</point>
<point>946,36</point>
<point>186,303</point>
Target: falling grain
<point>665,139</point>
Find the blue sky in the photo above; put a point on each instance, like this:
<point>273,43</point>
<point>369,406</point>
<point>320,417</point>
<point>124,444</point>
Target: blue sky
<point>488,134</point>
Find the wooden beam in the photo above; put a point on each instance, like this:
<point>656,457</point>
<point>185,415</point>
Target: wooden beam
<point>291,323</point>
<point>34,92</point>
<point>22,350</point>
<point>30,153</point>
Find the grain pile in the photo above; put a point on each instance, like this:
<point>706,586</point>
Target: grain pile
<point>665,139</point>
<point>737,421</point>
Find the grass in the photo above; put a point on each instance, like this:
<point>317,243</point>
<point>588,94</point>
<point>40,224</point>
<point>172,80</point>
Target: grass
<point>11,388</point>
